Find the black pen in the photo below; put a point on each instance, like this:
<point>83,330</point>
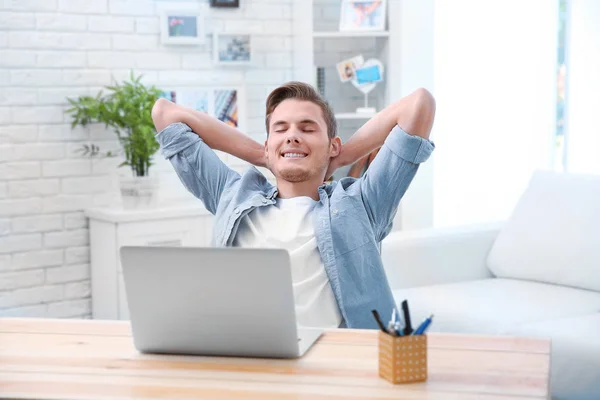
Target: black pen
<point>376,315</point>
<point>407,325</point>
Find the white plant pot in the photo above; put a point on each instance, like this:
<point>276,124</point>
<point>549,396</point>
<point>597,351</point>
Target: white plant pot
<point>139,191</point>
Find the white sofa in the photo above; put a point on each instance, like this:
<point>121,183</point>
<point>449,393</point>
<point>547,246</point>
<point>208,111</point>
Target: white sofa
<point>537,275</point>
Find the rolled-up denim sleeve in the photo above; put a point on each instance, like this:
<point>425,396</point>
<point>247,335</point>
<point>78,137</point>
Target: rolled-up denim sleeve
<point>390,174</point>
<point>198,167</point>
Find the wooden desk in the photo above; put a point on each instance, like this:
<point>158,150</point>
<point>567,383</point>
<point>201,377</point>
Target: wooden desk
<point>85,359</point>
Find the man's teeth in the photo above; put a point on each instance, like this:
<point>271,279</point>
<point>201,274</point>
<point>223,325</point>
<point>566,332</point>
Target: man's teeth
<point>294,155</point>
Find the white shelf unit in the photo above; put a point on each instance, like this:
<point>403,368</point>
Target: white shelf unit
<point>326,45</point>
<point>312,26</point>
<point>341,116</point>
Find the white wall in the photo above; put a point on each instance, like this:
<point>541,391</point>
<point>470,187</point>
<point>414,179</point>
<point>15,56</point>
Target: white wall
<point>414,28</point>
<point>50,49</point>
<point>583,87</point>
<point>495,69</point>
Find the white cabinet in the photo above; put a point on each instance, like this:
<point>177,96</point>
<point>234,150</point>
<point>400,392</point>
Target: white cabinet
<point>110,229</point>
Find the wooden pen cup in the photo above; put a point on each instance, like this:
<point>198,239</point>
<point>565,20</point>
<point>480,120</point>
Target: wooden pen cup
<point>402,359</point>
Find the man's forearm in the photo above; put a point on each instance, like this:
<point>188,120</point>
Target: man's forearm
<point>413,113</point>
<point>215,133</point>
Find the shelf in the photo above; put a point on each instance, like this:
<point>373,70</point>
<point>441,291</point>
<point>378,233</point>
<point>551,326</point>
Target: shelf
<point>344,34</point>
<point>354,115</point>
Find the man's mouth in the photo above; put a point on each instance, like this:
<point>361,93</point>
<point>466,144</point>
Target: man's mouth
<point>293,155</point>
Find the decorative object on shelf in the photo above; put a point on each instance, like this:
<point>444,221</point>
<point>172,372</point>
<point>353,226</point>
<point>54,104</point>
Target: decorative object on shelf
<point>182,26</point>
<point>224,103</point>
<point>321,80</point>
<point>367,77</point>
<point>364,75</point>
<point>363,15</point>
<point>225,3</point>
<point>232,49</point>
<point>369,73</point>
<point>346,69</point>
<point>126,109</point>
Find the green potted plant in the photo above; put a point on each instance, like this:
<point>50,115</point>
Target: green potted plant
<point>126,108</point>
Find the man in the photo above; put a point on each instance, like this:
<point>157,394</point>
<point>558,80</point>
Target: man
<point>332,231</point>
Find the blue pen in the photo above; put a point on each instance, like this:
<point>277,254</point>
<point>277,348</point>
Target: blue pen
<point>424,325</point>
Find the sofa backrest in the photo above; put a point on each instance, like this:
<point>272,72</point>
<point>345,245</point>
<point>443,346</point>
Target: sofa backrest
<point>553,234</point>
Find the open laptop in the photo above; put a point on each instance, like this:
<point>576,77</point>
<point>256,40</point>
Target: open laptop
<point>213,301</point>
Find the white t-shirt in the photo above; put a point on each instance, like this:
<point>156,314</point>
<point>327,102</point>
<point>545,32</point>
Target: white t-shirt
<point>288,224</point>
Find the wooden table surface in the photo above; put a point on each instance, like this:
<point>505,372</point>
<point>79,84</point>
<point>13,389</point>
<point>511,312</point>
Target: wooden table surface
<point>87,359</point>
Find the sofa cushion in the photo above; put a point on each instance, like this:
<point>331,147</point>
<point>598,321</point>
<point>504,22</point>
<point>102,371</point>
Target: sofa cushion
<point>575,354</point>
<point>553,234</point>
<point>495,306</point>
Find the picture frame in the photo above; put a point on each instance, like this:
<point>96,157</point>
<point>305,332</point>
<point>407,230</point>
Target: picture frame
<point>233,49</point>
<point>182,27</point>
<point>369,74</point>
<point>363,15</point>
<point>347,68</point>
<point>227,103</point>
<point>225,3</point>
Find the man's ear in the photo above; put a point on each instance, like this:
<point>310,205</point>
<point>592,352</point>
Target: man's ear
<point>336,146</point>
<point>266,151</point>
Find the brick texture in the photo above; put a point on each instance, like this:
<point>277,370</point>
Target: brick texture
<point>58,49</point>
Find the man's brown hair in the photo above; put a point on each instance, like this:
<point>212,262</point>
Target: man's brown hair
<point>301,91</point>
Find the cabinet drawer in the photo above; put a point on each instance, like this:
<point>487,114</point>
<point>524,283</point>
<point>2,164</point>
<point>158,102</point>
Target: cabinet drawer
<point>188,232</point>
<point>156,233</point>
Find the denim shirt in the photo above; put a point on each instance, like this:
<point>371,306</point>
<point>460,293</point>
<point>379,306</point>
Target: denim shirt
<point>351,217</point>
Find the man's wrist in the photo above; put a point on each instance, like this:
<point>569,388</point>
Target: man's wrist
<point>259,158</point>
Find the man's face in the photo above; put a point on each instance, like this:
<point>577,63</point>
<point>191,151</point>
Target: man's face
<point>298,148</point>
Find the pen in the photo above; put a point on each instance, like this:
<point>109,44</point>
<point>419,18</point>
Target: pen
<point>407,327</point>
<point>399,325</point>
<point>424,325</point>
<point>391,329</point>
<point>392,324</point>
<point>378,320</point>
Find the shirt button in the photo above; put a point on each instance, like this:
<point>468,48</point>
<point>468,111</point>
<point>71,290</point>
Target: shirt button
<point>335,211</point>
<point>264,201</point>
<point>236,210</point>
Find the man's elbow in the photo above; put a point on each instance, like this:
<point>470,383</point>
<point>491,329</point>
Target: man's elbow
<point>425,101</point>
<point>162,113</point>
<point>423,112</point>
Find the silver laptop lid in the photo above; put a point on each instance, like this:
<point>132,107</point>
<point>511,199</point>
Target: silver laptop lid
<point>211,301</point>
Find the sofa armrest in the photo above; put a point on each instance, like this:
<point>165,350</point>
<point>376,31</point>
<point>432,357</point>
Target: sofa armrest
<point>434,256</point>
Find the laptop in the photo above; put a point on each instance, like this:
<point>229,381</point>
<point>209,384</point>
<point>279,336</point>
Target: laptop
<point>213,301</point>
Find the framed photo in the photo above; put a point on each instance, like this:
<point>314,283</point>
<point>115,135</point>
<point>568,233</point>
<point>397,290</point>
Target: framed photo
<point>232,49</point>
<point>369,74</point>
<point>363,15</point>
<point>225,3</point>
<point>225,103</point>
<point>347,69</point>
<point>182,27</point>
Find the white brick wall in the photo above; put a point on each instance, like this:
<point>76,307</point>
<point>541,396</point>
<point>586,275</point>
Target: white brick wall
<point>37,223</point>
<point>53,49</point>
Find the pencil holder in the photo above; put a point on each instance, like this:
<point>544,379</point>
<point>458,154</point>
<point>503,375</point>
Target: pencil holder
<point>403,359</point>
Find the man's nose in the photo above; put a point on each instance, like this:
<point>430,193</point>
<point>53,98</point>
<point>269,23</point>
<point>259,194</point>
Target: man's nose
<point>292,138</point>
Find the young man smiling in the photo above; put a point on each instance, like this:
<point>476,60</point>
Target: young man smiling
<point>332,231</point>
